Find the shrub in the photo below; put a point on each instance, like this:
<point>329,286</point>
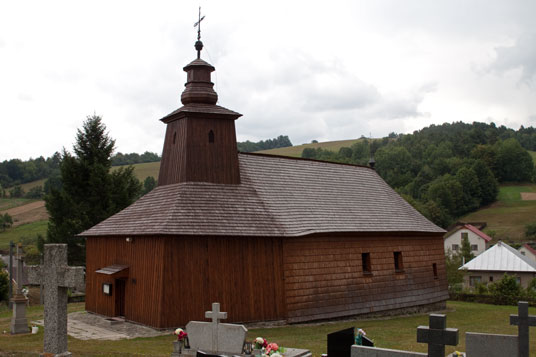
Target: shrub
<point>506,291</point>
<point>481,289</point>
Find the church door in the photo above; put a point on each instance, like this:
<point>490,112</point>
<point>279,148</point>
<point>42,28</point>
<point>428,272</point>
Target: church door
<point>120,297</point>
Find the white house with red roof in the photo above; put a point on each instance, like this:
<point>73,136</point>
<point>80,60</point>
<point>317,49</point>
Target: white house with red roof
<point>477,239</point>
<point>528,252</point>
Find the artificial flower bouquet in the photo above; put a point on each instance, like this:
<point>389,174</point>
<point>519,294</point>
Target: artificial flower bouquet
<point>181,334</point>
<point>268,349</point>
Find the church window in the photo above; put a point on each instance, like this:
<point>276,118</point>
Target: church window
<point>434,267</point>
<point>455,247</point>
<point>399,265</point>
<point>365,260</point>
<point>474,247</point>
<point>211,137</point>
<point>174,137</point>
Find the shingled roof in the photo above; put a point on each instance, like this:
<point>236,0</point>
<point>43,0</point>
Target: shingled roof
<point>277,196</point>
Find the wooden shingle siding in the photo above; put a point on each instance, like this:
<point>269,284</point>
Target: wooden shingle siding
<point>143,256</point>
<point>324,276</point>
<point>192,158</point>
<point>243,274</point>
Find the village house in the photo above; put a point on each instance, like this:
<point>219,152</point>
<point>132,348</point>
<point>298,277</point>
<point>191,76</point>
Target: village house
<point>269,237</point>
<point>491,266</point>
<point>477,239</point>
<point>527,251</point>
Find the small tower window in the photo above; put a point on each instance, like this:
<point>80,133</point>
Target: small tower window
<point>174,137</point>
<point>434,267</point>
<point>399,265</point>
<point>211,137</point>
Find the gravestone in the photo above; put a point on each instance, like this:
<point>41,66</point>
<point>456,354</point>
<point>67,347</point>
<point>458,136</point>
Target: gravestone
<point>490,345</point>
<point>56,276</point>
<point>437,335</point>
<point>19,322</point>
<point>216,337</point>
<point>340,342</point>
<point>523,321</point>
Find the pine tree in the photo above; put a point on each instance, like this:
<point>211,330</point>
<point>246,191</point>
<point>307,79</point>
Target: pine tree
<point>89,191</point>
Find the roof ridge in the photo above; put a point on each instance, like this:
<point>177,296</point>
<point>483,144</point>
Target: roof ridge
<point>303,159</point>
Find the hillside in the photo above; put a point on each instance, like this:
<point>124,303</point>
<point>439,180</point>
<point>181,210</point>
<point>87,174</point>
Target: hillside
<point>506,219</point>
<point>296,151</point>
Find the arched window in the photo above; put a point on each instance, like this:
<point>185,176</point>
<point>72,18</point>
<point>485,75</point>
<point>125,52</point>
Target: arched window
<point>174,137</point>
<point>211,137</point>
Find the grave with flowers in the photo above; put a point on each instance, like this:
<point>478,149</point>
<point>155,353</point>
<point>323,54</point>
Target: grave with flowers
<point>216,338</point>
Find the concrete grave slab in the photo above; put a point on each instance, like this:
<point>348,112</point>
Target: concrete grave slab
<point>490,345</point>
<point>364,351</point>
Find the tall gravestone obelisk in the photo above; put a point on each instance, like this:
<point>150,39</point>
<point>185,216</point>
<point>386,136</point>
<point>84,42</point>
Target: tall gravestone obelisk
<point>19,322</point>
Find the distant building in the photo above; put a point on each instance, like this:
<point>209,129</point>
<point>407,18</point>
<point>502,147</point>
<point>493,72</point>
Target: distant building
<point>528,252</point>
<point>491,265</point>
<point>477,239</point>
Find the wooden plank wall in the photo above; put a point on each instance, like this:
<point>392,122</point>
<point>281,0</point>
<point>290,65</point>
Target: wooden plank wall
<point>245,275</point>
<point>324,276</point>
<point>173,163</point>
<point>193,158</point>
<point>143,290</point>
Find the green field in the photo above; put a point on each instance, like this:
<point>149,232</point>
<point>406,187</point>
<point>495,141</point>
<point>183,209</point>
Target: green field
<point>296,151</point>
<point>397,332</point>
<point>7,203</point>
<point>144,170</point>
<point>509,215</point>
<point>25,231</point>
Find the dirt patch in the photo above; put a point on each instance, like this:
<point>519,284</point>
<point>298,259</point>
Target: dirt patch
<point>31,212</point>
<point>528,196</point>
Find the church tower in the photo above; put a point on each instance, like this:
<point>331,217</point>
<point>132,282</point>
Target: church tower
<point>200,142</point>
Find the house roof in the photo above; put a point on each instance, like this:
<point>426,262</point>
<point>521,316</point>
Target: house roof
<point>277,196</point>
<point>529,248</point>
<point>472,229</point>
<point>501,257</point>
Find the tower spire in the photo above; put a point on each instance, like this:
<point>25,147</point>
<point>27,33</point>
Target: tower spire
<point>199,44</point>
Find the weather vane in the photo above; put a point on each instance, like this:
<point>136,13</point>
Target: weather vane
<point>199,44</point>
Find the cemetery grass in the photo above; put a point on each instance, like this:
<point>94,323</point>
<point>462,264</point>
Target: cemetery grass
<point>26,233</point>
<point>397,332</point>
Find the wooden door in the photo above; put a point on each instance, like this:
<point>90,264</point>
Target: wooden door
<point>120,297</point>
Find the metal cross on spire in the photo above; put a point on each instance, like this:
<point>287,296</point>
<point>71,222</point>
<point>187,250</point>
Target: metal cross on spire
<point>199,44</point>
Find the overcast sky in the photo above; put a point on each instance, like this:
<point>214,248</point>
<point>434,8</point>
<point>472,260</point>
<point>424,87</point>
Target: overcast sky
<point>325,70</point>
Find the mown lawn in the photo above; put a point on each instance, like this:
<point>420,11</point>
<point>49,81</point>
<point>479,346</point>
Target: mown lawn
<point>28,230</point>
<point>398,332</point>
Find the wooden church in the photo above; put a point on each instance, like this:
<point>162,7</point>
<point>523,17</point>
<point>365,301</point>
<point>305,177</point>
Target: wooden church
<point>269,237</point>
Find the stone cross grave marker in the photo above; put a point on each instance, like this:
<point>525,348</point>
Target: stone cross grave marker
<point>214,336</point>
<point>523,321</point>
<point>19,322</point>
<point>437,335</point>
<point>56,276</point>
<point>215,315</point>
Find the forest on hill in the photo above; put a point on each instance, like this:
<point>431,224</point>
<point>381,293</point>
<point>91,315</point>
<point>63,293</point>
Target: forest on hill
<point>15,172</point>
<point>445,171</point>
